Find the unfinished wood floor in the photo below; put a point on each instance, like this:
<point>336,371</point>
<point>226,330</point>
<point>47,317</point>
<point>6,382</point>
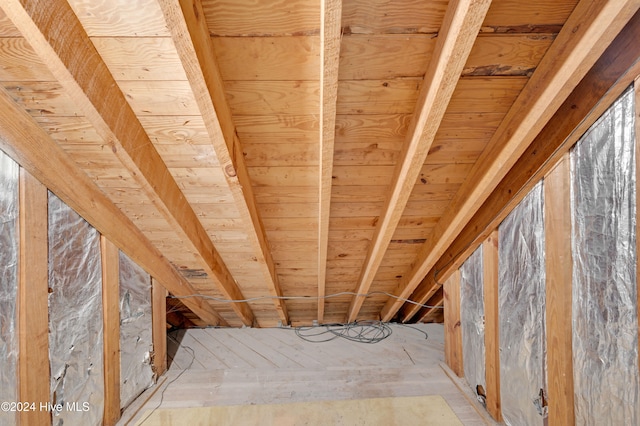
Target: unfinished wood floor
<point>211,367</point>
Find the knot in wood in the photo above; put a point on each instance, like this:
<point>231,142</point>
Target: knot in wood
<point>230,170</point>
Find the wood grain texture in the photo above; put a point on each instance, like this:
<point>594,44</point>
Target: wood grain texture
<point>562,68</point>
<point>159,327</point>
<point>33,310</point>
<point>611,74</point>
<point>19,61</point>
<point>512,13</point>
<point>268,58</point>
<point>379,57</point>
<point>120,18</point>
<point>507,55</point>
<point>491,325</point>
<point>27,143</point>
<point>460,26</point>
<point>190,34</point>
<point>330,39</point>
<point>110,261</point>
<point>452,328</point>
<point>392,96</point>
<point>393,17</point>
<point>68,57</point>
<point>7,29</point>
<point>261,17</point>
<point>257,98</point>
<point>559,271</point>
<point>140,58</point>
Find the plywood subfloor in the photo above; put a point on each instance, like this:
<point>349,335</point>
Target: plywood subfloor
<point>224,367</point>
<point>430,410</point>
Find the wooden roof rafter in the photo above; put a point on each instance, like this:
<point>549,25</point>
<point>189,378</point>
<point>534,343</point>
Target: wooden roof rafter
<point>186,21</point>
<point>330,37</point>
<point>586,34</point>
<point>57,36</point>
<point>462,22</point>
<point>27,143</point>
<point>614,71</point>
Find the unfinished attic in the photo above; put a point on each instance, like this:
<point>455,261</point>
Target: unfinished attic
<point>191,191</point>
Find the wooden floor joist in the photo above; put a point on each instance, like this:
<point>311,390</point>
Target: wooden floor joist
<point>461,25</point>
<point>609,76</point>
<point>588,31</point>
<point>57,36</point>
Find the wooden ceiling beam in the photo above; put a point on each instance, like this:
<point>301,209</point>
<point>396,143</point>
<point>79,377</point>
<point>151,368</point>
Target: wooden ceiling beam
<point>585,36</point>
<point>462,22</point>
<point>610,75</point>
<point>29,145</point>
<point>57,36</point>
<point>186,22</point>
<point>330,38</point>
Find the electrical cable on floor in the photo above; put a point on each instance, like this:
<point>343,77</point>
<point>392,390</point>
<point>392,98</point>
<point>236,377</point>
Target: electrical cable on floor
<point>193,358</point>
<point>358,331</point>
<point>328,296</point>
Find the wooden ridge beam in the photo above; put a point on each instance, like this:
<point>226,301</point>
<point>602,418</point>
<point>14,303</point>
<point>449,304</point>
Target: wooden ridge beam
<point>186,22</point>
<point>330,38</point>
<point>605,81</point>
<point>30,146</point>
<point>57,36</point>
<point>584,37</point>
<point>460,27</point>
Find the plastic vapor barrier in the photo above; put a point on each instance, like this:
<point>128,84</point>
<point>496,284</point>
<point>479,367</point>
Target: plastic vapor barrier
<point>472,322</point>
<point>75,317</point>
<point>9,202</point>
<point>521,298</point>
<point>136,342</point>
<point>605,321</point>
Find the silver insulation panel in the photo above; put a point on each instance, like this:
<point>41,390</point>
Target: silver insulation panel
<point>136,342</point>
<point>75,317</point>
<point>521,298</point>
<point>9,254</point>
<point>605,320</point>
<point>472,322</point>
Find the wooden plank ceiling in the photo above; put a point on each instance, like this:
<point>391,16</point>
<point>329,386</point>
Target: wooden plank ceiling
<point>272,148</point>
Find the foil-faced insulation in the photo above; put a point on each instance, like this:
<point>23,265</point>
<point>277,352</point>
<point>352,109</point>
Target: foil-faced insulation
<point>472,322</point>
<point>605,311</point>
<point>75,317</point>
<point>9,202</point>
<point>136,342</point>
<point>521,298</point>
